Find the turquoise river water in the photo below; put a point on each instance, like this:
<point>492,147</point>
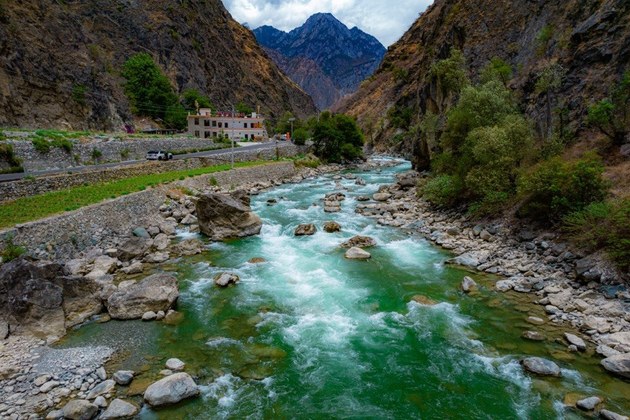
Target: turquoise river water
<point>309,334</point>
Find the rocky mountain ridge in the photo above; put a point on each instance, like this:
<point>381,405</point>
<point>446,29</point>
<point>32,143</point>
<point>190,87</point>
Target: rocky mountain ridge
<point>60,62</point>
<point>588,41</point>
<point>323,56</point>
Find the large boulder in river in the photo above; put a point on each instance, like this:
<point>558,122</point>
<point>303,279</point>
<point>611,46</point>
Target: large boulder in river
<point>171,390</point>
<point>155,293</point>
<point>540,366</point>
<point>332,227</point>
<point>133,247</point>
<point>79,410</point>
<point>355,253</point>
<point>359,242</point>
<point>223,216</point>
<point>618,365</point>
<point>42,299</point>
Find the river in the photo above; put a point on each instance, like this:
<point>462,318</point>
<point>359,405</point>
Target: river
<point>309,334</point>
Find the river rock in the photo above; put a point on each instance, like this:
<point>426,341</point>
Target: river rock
<point>161,242</point>
<point>100,401</point>
<point>533,336</point>
<point>173,317</point>
<point>155,293</point>
<point>79,410</point>
<point>470,259</point>
<point>611,415</point>
<point>171,390</point>
<point>257,260</point>
<point>424,300</point>
<point>381,196</point>
<point>305,230</point>
<point>534,320</point>
<point>41,299</point>
<point>588,404</point>
<point>620,339</point>
<point>149,316</point>
<point>103,388</point>
<point>156,258</point>
<point>135,268</point>
<point>175,364</point>
<point>468,285</point>
<point>188,247</point>
<point>606,351</point>
<point>133,247</point>
<point>225,279</point>
<point>618,365</point>
<point>223,216</point>
<point>359,242</point>
<point>123,377</point>
<point>575,341</point>
<point>119,409</point>
<point>332,227</point>
<point>356,253</point>
<point>363,198</point>
<point>540,366</point>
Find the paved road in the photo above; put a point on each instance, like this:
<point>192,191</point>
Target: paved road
<point>245,147</point>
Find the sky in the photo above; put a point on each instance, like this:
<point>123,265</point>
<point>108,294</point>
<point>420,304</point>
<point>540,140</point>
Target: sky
<point>386,20</point>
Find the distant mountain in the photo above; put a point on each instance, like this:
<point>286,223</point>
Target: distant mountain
<point>323,56</point>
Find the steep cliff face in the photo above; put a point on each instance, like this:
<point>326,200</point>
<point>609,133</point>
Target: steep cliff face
<point>588,40</point>
<point>60,61</point>
<point>323,56</point>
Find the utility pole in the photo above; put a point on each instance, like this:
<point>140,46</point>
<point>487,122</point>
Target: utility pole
<point>291,120</point>
<point>232,136</point>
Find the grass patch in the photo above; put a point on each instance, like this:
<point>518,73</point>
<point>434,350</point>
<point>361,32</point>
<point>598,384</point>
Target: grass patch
<point>37,207</point>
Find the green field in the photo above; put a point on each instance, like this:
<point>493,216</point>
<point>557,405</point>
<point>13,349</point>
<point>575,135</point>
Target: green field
<point>37,207</point>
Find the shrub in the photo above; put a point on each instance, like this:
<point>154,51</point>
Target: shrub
<point>78,94</point>
<point>337,138</point>
<point>400,117</point>
<point>444,190</point>
<point>299,136</point>
<point>610,115</point>
<point>603,225</point>
<point>213,181</point>
<point>451,72</point>
<point>496,69</point>
<point>96,154</point>
<point>41,144</point>
<point>192,100</point>
<point>124,153</point>
<point>309,161</point>
<point>7,153</point>
<point>542,39</point>
<point>556,188</point>
<point>11,251</point>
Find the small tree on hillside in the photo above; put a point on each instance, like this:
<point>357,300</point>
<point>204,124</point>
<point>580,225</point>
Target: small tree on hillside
<point>611,116</point>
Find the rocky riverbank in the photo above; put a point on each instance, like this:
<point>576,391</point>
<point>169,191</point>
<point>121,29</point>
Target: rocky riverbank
<point>116,278</point>
<point>574,289</point>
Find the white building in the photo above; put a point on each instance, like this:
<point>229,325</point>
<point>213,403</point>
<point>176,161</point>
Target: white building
<point>238,127</point>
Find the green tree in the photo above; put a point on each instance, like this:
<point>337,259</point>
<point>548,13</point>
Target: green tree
<point>243,108</point>
<point>496,69</point>
<point>300,136</point>
<point>611,116</point>
<point>337,138</point>
<point>192,100</point>
<point>148,89</point>
<point>451,72</point>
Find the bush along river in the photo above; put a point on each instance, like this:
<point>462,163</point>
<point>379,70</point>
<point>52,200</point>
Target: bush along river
<point>307,333</point>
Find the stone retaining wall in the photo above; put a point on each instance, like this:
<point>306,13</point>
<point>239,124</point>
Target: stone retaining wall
<point>66,234</point>
<point>112,150</point>
<point>25,188</point>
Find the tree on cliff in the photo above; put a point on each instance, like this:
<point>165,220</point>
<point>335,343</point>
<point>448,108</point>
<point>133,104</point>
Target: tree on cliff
<point>337,138</point>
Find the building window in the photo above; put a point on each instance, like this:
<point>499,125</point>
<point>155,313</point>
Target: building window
<point>196,133</point>
<point>214,123</point>
<point>246,136</point>
<point>196,121</point>
<point>206,123</point>
<point>214,134</point>
<point>226,125</point>
<point>206,134</point>
<point>220,124</point>
<point>244,125</point>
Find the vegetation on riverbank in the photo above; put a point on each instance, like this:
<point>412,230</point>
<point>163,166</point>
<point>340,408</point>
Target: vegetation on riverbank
<point>485,155</point>
<point>37,207</point>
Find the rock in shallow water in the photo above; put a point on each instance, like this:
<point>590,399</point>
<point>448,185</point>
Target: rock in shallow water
<point>123,377</point>
<point>575,341</point>
<point>355,253</point>
<point>541,366</point>
<point>468,285</point>
<point>588,404</point>
<point>155,293</point>
<point>618,365</point>
<point>171,390</point>
<point>175,364</point>
<point>225,279</point>
<point>305,230</point>
<point>332,227</point>
<point>79,410</point>
<point>119,409</point>
<point>359,242</point>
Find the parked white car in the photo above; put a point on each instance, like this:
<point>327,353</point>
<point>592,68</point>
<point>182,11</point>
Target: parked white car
<point>159,155</point>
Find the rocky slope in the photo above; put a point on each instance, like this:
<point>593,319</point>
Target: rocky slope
<point>589,39</point>
<point>323,56</point>
<point>60,61</point>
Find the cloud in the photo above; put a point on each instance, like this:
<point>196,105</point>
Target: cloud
<point>376,17</point>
